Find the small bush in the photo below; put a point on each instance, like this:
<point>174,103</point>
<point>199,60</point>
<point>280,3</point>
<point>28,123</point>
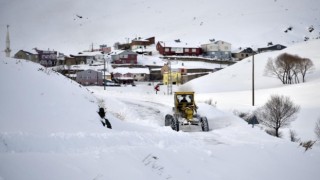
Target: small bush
<point>293,136</point>
<point>243,115</point>
<point>308,144</point>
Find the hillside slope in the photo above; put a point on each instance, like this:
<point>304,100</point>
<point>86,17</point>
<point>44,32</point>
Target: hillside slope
<point>231,88</point>
<point>238,77</point>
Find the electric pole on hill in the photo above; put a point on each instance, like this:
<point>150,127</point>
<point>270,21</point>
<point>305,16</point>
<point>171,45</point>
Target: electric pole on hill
<point>252,78</point>
<point>169,79</point>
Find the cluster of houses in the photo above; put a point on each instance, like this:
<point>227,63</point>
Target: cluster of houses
<point>124,59</point>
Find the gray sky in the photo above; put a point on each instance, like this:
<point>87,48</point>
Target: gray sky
<point>73,25</point>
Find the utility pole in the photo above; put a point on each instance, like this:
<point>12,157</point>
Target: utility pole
<point>7,50</point>
<point>104,73</point>
<point>253,78</point>
<point>169,79</point>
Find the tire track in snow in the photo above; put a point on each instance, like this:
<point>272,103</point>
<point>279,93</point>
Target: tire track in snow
<point>148,113</point>
<point>151,113</point>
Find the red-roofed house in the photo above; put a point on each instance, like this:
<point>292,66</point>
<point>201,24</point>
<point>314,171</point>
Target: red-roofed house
<point>178,48</point>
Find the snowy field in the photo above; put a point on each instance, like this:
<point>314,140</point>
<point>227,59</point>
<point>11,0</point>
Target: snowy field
<point>50,129</point>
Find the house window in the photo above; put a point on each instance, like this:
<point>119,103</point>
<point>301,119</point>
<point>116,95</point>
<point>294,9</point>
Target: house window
<point>186,50</point>
<point>194,50</point>
<point>166,50</point>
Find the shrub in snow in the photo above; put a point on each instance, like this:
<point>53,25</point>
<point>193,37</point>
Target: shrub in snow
<point>243,115</point>
<point>311,28</point>
<point>293,136</point>
<point>308,144</point>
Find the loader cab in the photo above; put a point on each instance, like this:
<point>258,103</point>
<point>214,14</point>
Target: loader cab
<point>183,99</point>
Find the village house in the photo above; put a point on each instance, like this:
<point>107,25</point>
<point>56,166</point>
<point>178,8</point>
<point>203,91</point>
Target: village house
<point>27,55</point>
<point>142,42</point>
<point>88,57</point>
<point>61,59</point>
<point>47,58</point>
<point>217,50</point>
<point>276,47</point>
<point>124,57</point>
<point>69,61</point>
<point>243,53</point>
<point>142,45</point>
<point>89,77</point>
<point>177,47</point>
<point>105,49</point>
<point>174,75</point>
<point>127,75</point>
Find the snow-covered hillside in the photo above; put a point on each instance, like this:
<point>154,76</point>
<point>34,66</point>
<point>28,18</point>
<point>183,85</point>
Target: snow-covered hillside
<point>231,88</point>
<point>71,26</point>
<point>50,129</point>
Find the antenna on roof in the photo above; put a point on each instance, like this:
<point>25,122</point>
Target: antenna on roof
<point>212,40</point>
<point>177,40</point>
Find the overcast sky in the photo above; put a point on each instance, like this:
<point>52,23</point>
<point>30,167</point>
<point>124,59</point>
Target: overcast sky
<point>73,25</point>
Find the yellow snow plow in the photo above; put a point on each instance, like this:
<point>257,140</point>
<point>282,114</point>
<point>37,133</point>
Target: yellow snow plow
<point>185,113</point>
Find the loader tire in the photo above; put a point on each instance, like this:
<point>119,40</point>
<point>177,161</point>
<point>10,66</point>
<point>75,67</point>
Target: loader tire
<point>168,119</point>
<point>204,124</point>
<point>175,124</point>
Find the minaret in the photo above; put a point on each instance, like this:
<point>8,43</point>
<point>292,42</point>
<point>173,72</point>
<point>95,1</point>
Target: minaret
<point>7,50</point>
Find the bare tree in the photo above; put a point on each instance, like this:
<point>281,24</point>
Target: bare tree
<point>287,67</point>
<point>317,129</point>
<point>273,70</point>
<point>278,112</point>
<point>305,65</point>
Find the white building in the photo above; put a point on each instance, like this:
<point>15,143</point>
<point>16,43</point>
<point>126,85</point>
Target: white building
<point>217,50</point>
<point>135,74</point>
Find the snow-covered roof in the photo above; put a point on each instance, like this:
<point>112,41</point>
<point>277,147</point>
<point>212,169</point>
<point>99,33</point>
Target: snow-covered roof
<point>89,53</point>
<point>124,70</point>
<point>217,42</point>
<point>31,51</point>
<point>179,44</point>
<point>141,40</point>
<point>117,52</point>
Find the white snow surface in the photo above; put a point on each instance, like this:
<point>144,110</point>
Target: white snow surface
<point>50,129</point>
